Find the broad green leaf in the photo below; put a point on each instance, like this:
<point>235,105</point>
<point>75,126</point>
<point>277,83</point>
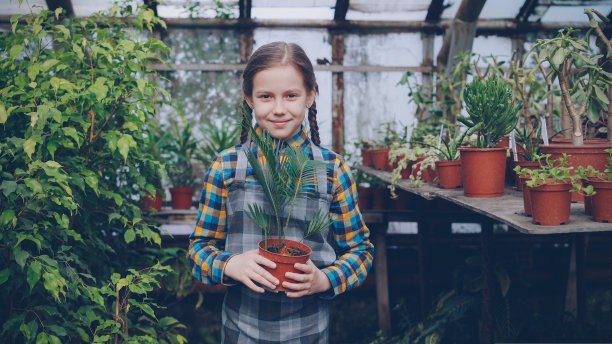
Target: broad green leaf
<point>601,95</point>
<point>15,51</point>
<point>84,336</point>
<point>33,118</point>
<point>54,340</point>
<point>99,89</point>
<point>53,164</point>
<point>58,11</point>
<point>25,330</point>
<point>141,85</point>
<point>33,185</point>
<point>29,147</point>
<point>115,278</point>
<point>592,112</point>
<point>60,331</point>
<point>124,143</point>
<point>122,283</point>
<point>33,70</point>
<point>21,256</point>
<point>34,271</point>
<point>7,216</point>
<point>3,114</point>
<point>4,275</point>
<point>42,338</point>
<point>92,181</point>
<point>48,64</point>
<point>70,131</point>
<point>118,199</point>
<point>559,56</point>
<point>129,235</point>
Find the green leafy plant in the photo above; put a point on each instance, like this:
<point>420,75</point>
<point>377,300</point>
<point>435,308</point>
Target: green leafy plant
<point>401,154</point>
<point>491,111</point>
<point>75,99</point>
<point>555,171</point>
<point>285,173</point>
<point>180,153</point>
<point>216,137</point>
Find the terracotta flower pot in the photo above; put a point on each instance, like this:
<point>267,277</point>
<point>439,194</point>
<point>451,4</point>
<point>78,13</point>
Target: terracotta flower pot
<point>182,197</point>
<point>150,203</point>
<point>483,171</point>
<point>364,198</point>
<point>591,153</point>
<point>588,200</point>
<point>602,200</point>
<point>380,159</point>
<point>550,204</point>
<point>366,156</point>
<point>284,263</point>
<point>531,165</point>
<point>449,174</point>
<point>379,196</point>
<point>526,196</point>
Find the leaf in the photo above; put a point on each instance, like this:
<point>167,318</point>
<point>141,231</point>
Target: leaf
<point>592,112</point>
<point>60,331</point>
<point>7,216</point>
<point>8,187</point>
<point>141,85</point>
<point>15,51</point>
<point>3,114</point>
<point>99,89</point>
<point>21,256</point>
<point>558,57</point>
<point>29,147</point>
<point>601,95</point>
<point>129,235</point>
<point>124,143</point>
<point>34,271</point>
<point>33,185</point>
<point>54,340</point>
<point>92,181</point>
<point>42,338</point>
<point>4,275</point>
<point>53,164</point>
<point>70,131</point>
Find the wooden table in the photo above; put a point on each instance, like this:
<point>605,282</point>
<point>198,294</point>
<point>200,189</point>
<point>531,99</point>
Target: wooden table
<point>507,209</point>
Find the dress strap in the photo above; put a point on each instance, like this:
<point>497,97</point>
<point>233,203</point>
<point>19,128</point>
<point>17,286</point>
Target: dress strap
<point>242,163</point>
<point>322,175</point>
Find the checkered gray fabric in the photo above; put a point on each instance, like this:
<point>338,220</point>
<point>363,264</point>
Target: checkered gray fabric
<point>250,317</point>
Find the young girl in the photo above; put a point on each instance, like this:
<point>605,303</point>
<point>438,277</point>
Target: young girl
<point>279,86</point>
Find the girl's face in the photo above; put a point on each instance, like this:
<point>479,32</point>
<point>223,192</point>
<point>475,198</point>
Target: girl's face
<point>279,100</point>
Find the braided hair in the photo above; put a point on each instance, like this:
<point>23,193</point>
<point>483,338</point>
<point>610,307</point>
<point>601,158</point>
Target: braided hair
<point>275,54</point>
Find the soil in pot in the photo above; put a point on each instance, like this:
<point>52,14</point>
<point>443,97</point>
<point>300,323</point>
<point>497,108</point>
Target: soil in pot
<point>297,252</point>
<point>483,171</point>
<point>591,153</point>
<point>182,197</point>
<point>550,204</point>
<point>449,174</point>
<point>602,200</point>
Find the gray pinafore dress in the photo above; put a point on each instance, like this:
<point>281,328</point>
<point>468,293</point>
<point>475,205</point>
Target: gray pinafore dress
<point>250,317</point>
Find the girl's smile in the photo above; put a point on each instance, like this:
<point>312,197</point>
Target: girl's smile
<point>279,100</point>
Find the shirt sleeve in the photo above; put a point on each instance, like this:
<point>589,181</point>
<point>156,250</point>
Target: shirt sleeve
<point>355,251</point>
<point>206,256</point>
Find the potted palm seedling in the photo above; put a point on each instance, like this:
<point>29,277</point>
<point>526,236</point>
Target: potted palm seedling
<point>491,115</point>
<point>287,177</point>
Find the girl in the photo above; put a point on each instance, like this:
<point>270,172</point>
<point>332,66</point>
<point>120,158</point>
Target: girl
<point>279,86</point>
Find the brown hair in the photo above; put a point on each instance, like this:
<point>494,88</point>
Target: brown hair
<point>274,54</point>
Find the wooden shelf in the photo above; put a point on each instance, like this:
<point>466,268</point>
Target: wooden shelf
<point>506,209</point>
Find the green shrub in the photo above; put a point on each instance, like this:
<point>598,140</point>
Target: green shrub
<point>75,102</point>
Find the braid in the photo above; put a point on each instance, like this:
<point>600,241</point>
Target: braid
<point>312,121</point>
<point>246,111</point>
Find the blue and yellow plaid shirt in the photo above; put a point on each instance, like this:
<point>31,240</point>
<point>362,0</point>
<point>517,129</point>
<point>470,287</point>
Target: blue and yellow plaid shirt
<point>207,257</point>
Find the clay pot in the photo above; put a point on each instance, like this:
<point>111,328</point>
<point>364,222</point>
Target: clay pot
<point>364,198</point>
<point>483,171</point>
<point>526,195</point>
<point>380,159</point>
<point>379,197</point>
<point>449,174</point>
<point>588,200</point>
<point>602,200</point>
<point>591,153</point>
<point>182,197</point>
<point>150,203</point>
<point>531,165</point>
<point>550,204</point>
<point>366,157</point>
<point>284,263</point>
<point>403,200</point>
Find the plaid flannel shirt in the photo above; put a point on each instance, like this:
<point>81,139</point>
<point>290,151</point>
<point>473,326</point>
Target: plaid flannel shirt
<point>206,254</point>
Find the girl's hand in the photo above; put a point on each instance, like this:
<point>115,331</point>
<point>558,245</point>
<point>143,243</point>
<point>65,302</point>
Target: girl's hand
<point>247,268</point>
<point>311,281</point>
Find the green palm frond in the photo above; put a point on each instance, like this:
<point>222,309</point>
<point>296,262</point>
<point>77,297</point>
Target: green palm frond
<point>320,221</point>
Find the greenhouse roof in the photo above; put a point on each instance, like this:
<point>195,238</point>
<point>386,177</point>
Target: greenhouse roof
<point>534,11</point>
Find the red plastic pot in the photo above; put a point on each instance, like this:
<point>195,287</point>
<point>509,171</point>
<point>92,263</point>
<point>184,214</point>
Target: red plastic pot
<point>366,157</point>
<point>602,200</point>
<point>526,195</point>
<point>284,263</point>
<point>591,153</point>
<point>530,165</point>
<point>550,204</point>
<point>182,197</point>
<point>483,171</point>
<point>449,174</point>
<point>380,159</point>
<point>150,203</point>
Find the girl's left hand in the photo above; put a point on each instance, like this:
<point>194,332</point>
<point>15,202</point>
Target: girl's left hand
<point>311,281</point>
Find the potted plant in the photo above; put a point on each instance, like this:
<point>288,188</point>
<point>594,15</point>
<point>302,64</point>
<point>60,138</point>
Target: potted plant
<point>583,84</point>
<point>180,152</point>
<point>156,142</point>
<point>413,161</point>
<point>598,189</point>
<point>286,175</point>
<point>549,187</point>
<point>492,115</point>
<point>380,151</point>
<point>527,150</point>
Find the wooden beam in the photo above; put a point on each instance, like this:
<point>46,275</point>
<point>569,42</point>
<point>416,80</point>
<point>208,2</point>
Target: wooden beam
<point>337,41</point>
<point>526,10</point>
<point>65,4</point>
<point>460,35</point>
<point>244,9</point>
<point>219,67</point>
<point>341,9</point>
<point>436,7</point>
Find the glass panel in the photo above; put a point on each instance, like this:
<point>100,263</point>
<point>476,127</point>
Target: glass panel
<point>203,45</point>
<point>387,49</point>
<point>13,7</point>
<point>287,13</point>
<point>493,45</point>
<point>571,13</point>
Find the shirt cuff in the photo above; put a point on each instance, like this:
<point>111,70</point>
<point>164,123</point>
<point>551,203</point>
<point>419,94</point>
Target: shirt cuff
<point>335,278</point>
<point>218,269</point>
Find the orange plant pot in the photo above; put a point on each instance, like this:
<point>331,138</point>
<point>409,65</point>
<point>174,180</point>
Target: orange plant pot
<point>449,174</point>
<point>531,165</point>
<point>182,197</point>
<point>483,171</point>
<point>526,196</point>
<point>284,263</point>
<point>602,200</point>
<point>380,159</point>
<point>364,198</point>
<point>550,204</point>
<point>366,157</point>
<point>150,203</point>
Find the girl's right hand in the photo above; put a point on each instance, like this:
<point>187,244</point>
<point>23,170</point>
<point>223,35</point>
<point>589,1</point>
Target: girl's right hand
<point>247,268</point>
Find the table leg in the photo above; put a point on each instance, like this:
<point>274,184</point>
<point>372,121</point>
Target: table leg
<point>486,326</point>
<point>382,285</point>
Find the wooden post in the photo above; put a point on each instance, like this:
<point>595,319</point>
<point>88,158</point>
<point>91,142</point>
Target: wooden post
<point>486,315</point>
<point>337,40</point>
<point>382,284</point>
<point>428,53</point>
